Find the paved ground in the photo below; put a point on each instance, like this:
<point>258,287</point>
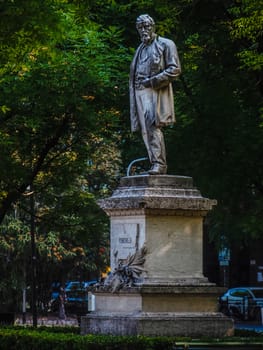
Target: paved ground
<point>72,320</point>
<point>249,326</point>
<point>50,320</point>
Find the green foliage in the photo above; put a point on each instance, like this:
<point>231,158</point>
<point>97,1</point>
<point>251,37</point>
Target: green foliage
<point>59,134</point>
<point>25,338</point>
<point>61,97</point>
<point>64,119</point>
<point>15,251</point>
<point>247,28</point>
<point>27,26</point>
<point>57,337</point>
<point>218,136</point>
<point>247,22</point>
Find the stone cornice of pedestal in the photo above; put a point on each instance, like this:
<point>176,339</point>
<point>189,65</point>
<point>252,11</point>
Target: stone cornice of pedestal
<point>208,288</point>
<point>160,194</point>
<point>204,289</point>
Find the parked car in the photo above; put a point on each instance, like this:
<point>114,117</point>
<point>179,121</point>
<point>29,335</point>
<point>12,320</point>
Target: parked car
<point>74,285</point>
<point>55,288</point>
<point>77,296</point>
<point>242,302</point>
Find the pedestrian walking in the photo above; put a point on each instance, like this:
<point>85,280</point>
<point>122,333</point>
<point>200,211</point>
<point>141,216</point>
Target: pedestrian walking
<point>62,300</point>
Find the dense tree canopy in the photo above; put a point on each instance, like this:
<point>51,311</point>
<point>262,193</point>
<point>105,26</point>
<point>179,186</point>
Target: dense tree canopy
<point>222,132</point>
<point>58,134</point>
<point>64,118</point>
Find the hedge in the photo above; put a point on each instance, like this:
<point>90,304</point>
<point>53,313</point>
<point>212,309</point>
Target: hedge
<point>24,339</point>
<point>68,338</point>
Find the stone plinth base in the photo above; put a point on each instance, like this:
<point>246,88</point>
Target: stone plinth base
<point>160,299</point>
<point>158,324</point>
<point>159,311</point>
<point>163,215</point>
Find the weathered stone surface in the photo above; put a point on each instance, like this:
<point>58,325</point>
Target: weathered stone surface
<point>159,310</point>
<point>165,192</point>
<point>160,299</point>
<point>172,181</point>
<point>158,324</point>
<point>118,303</point>
<point>164,214</point>
<point>174,246</point>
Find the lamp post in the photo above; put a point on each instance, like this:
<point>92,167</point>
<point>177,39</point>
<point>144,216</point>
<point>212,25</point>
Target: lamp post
<point>33,257</point>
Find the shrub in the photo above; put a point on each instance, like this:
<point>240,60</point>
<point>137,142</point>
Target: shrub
<point>34,339</point>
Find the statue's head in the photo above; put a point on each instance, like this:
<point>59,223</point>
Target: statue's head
<point>145,26</point>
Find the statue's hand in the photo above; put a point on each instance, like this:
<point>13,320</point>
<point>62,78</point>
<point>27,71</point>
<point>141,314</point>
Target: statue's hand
<point>146,83</point>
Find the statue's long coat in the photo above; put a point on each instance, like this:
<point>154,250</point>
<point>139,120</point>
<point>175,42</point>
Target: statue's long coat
<point>165,67</point>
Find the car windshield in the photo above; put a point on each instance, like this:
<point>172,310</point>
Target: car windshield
<point>240,293</point>
<point>76,294</point>
<point>75,286</point>
<point>258,293</point>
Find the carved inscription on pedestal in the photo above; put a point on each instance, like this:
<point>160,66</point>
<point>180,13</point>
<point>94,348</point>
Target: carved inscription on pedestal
<point>124,241</point>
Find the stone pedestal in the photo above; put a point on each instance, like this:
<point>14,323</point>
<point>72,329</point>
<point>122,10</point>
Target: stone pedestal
<point>165,214</point>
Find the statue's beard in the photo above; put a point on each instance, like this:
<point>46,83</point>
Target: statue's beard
<point>146,38</point>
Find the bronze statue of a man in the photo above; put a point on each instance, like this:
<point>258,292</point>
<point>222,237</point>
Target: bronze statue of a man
<point>155,65</point>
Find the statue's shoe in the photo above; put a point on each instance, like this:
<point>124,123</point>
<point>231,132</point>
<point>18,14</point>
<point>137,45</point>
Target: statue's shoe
<point>158,169</point>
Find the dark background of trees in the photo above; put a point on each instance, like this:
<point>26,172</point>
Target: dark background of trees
<point>65,135</point>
